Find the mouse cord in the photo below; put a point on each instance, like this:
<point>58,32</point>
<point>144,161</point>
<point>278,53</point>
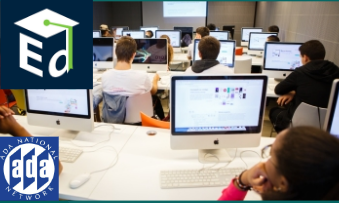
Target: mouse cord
<point>248,151</point>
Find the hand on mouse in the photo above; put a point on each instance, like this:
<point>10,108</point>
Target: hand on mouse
<point>156,77</point>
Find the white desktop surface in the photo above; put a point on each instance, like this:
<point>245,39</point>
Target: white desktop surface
<point>182,57</point>
<point>270,88</point>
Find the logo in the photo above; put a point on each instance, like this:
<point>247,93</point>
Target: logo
<point>46,23</point>
<point>216,142</point>
<point>30,168</point>
<point>58,122</point>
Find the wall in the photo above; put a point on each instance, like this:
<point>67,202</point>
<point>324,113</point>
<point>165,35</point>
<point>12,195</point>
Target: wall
<point>303,21</point>
<point>240,14</point>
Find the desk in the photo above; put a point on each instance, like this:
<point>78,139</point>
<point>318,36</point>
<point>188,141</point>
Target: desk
<point>182,57</point>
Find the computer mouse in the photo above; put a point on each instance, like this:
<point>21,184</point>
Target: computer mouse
<point>79,180</point>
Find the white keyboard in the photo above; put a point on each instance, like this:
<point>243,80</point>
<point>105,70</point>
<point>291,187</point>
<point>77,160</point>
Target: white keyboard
<point>96,76</point>
<point>271,86</point>
<point>198,178</point>
<point>69,155</point>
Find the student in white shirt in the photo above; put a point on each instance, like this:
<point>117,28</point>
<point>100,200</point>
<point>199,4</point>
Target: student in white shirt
<point>209,48</point>
<point>200,33</point>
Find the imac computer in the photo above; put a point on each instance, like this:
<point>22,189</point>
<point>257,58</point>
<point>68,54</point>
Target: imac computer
<point>332,115</point>
<point>134,33</point>
<point>63,109</point>
<point>226,54</point>
<point>256,42</point>
<point>152,28</point>
<point>229,28</point>
<point>117,31</point>
<point>103,52</point>
<point>281,58</point>
<point>151,55</point>
<point>174,35</point>
<point>212,113</point>
<point>186,35</point>
<point>220,35</point>
<point>245,34</point>
<point>96,33</point>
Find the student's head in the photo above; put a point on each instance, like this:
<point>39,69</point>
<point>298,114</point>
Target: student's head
<point>104,30</point>
<point>209,48</point>
<point>126,49</point>
<point>201,32</point>
<point>170,51</point>
<point>211,26</point>
<point>303,164</point>
<point>149,34</point>
<point>312,50</point>
<point>273,38</point>
<point>273,28</point>
<point>166,37</point>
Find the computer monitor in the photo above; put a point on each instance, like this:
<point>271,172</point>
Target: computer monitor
<point>151,55</point>
<point>96,33</point>
<point>136,34</point>
<point>63,109</point>
<point>245,34</point>
<point>103,48</point>
<point>152,28</point>
<point>220,35</point>
<point>332,115</point>
<point>174,35</point>
<point>229,28</point>
<point>256,42</point>
<point>117,31</point>
<point>186,35</point>
<point>226,54</point>
<point>211,113</point>
<point>281,59</point>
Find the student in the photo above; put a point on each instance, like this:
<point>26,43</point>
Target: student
<point>302,164</point>
<point>209,48</point>
<point>104,31</point>
<point>8,125</point>
<point>149,34</point>
<point>311,83</point>
<point>273,28</point>
<point>273,38</point>
<point>200,33</point>
<point>170,54</point>
<point>211,26</point>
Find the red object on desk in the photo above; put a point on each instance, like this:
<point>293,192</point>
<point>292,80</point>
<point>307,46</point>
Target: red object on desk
<point>238,51</point>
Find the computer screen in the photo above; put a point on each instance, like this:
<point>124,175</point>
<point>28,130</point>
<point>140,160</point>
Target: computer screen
<point>96,33</point>
<point>226,54</point>
<point>117,31</point>
<point>152,28</point>
<point>174,35</point>
<point>186,35</point>
<point>332,115</point>
<point>220,35</point>
<point>103,52</point>
<point>257,40</point>
<point>151,51</point>
<point>134,33</point>
<point>245,32</point>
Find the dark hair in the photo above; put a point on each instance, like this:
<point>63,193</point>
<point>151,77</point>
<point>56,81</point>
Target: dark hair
<point>150,31</point>
<point>273,28</point>
<point>309,159</point>
<point>273,38</point>
<point>209,47</point>
<point>314,49</point>
<point>126,47</point>
<point>170,51</point>
<point>203,31</point>
<point>211,26</point>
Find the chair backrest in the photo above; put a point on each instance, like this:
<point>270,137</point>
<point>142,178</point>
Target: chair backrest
<point>19,96</point>
<point>137,103</point>
<point>243,64</point>
<point>308,115</point>
<point>151,122</point>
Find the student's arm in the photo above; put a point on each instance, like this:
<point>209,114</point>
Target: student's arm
<point>189,52</point>
<point>287,85</point>
<point>155,84</point>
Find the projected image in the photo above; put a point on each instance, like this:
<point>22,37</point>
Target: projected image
<point>184,8</point>
<point>151,51</point>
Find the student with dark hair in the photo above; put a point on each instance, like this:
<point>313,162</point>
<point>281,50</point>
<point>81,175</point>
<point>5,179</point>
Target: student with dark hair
<point>209,48</point>
<point>273,28</point>
<point>211,26</point>
<point>311,83</point>
<point>149,34</point>
<point>273,38</point>
<point>200,33</point>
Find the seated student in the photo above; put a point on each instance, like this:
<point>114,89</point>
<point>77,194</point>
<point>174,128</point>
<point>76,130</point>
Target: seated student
<point>149,34</point>
<point>8,125</point>
<point>273,38</point>
<point>302,164</point>
<point>311,83</point>
<point>200,33</point>
<point>170,54</point>
<point>273,28</point>
<point>209,48</point>
<point>211,27</point>
<point>105,31</point>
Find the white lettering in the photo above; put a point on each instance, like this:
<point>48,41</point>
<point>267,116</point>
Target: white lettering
<point>37,196</point>
<point>52,152</point>
<point>29,168</point>
<point>28,197</point>
<point>13,193</point>
<point>5,151</point>
<point>44,193</point>
<point>19,141</point>
<point>2,157</point>
<point>43,171</point>
<point>42,141</point>
<point>25,53</point>
<point>48,147</point>
<point>50,189</point>
<point>9,189</point>
<point>10,146</point>
<point>55,157</point>
<point>26,140</point>
<point>16,172</point>
<point>20,195</point>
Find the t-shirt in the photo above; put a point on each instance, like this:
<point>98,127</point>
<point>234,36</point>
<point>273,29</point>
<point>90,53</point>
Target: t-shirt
<point>126,82</point>
<point>158,55</point>
<point>217,69</point>
<point>190,51</point>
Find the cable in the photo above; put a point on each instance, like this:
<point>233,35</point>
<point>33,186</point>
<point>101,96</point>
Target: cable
<point>235,154</point>
<point>248,151</point>
<point>203,166</point>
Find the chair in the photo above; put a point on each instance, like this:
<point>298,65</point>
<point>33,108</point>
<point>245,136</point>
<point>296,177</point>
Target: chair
<point>243,64</point>
<point>308,115</point>
<point>19,96</point>
<point>137,103</point>
<point>4,99</point>
<point>151,122</point>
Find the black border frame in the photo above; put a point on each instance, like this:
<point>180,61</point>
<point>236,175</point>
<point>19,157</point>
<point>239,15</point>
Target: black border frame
<point>333,107</point>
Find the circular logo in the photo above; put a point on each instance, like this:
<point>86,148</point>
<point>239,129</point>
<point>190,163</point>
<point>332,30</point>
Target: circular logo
<point>26,169</point>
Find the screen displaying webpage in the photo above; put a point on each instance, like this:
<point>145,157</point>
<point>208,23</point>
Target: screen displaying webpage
<point>134,34</point>
<point>153,29</point>
<point>220,35</point>
<point>217,105</point>
<point>96,34</point>
<point>282,56</point>
<point>335,120</point>
<point>184,8</point>
<point>257,41</point>
<point>173,35</point>
<point>58,101</point>
<point>246,33</point>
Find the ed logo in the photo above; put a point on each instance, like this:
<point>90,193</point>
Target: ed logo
<point>30,168</point>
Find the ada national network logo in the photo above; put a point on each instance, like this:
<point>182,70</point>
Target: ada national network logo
<point>29,168</point>
<point>47,48</point>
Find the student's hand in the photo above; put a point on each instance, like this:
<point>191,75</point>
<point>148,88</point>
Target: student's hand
<point>286,98</point>
<point>156,77</point>
<point>4,112</point>
<point>256,177</point>
<point>8,125</point>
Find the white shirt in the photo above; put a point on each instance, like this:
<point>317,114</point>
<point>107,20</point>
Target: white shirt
<point>126,82</point>
<point>217,69</point>
<point>190,51</point>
